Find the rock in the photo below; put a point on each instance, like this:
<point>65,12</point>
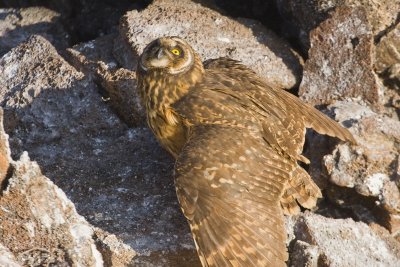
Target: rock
<point>346,72</point>
<point>124,97</point>
<point>87,57</point>
<point>337,242</point>
<point>17,25</point>
<point>40,224</point>
<point>368,167</point>
<point>96,60</point>
<point>213,35</point>
<point>115,252</point>
<point>306,15</point>
<point>304,254</point>
<point>7,259</point>
<point>119,178</point>
<point>388,50</point>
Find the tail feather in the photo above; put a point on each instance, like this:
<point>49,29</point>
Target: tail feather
<point>302,190</point>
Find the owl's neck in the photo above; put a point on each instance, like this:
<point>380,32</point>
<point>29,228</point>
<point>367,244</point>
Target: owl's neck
<point>161,90</point>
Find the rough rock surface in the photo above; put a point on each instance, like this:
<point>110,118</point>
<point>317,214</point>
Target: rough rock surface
<point>340,60</point>
<point>305,15</point>
<point>324,241</point>
<point>372,167</point>
<point>17,25</point>
<point>115,253</point>
<point>108,170</point>
<point>40,225</point>
<point>87,57</point>
<point>7,258</point>
<point>388,50</point>
<point>213,35</point>
<point>96,59</point>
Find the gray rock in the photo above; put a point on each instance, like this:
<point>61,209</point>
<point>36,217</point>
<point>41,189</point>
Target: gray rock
<point>17,25</point>
<point>123,95</point>
<point>40,224</point>
<point>371,167</point>
<point>96,60</point>
<point>338,242</point>
<point>304,254</point>
<point>88,56</point>
<point>213,35</point>
<point>7,259</point>
<point>115,252</point>
<point>340,60</point>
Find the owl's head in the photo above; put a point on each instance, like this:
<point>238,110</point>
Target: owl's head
<point>170,54</point>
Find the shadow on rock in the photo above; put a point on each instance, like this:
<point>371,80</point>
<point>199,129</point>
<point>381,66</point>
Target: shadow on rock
<point>118,177</point>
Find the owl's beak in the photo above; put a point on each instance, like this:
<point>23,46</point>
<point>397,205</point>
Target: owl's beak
<point>160,53</point>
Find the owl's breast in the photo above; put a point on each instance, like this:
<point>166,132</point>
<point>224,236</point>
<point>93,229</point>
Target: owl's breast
<point>168,129</point>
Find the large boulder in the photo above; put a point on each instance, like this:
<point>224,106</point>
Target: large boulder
<point>40,225</point>
<point>213,35</point>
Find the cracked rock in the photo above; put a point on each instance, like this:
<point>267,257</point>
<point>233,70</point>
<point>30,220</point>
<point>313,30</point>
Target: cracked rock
<point>371,168</point>
<point>40,224</point>
<point>340,61</point>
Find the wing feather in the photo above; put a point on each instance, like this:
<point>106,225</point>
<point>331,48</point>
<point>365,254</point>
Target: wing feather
<point>238,171</point>
<point>231,197</point>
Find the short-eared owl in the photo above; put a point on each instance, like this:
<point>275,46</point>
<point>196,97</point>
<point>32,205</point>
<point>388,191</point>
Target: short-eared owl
<point>237,142</point>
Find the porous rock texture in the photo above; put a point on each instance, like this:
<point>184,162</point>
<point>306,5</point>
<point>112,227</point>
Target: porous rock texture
<point>17,25</point>
<point>387,63</point>
<point>371,167</point>
<point>7,258</point>
<point>361,179</point>
<point>39,224</point>
<point>97,59</point>
<point>305,15</point>
<point>213,35</point>
<point>322,241</point>
<point>340,63</point>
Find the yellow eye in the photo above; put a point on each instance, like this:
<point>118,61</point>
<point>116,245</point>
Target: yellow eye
<point>175,52</point>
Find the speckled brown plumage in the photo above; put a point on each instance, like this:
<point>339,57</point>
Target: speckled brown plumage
<point>237,143</point>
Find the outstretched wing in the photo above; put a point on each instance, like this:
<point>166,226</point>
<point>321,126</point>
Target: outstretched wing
<point>229,185</point>
<point>292,113</point>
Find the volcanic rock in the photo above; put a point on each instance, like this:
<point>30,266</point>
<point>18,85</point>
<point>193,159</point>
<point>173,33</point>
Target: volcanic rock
<point>340,60</point>
<point>213,35</point>
<point>17,25</point>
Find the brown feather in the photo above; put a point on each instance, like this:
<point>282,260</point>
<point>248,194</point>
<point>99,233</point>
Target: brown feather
<point>237,141</point>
